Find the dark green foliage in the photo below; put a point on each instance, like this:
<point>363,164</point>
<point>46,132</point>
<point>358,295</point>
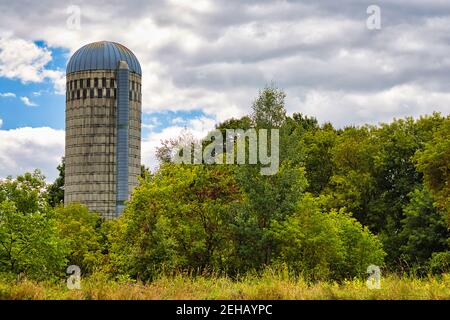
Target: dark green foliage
<point>439,263</point>
<point>424,229</point>
<point>434,163</point>
<point>56,190</point>
<point>268,199</point>
<point>318,157</point>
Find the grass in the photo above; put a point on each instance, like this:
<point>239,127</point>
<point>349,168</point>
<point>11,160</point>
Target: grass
<point>270,285</point>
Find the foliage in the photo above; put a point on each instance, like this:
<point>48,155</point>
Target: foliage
<point>439,262</point>
<point>267,199</point>
<point>27,192</point>
<point>341,200</point>
<point>55,191</point>
<point>81,231</point>
<point>424,229</point>
<point>268,109</point>
<point>434,163</point>
<point>29,243</point>
<point>322,245</point>
<point>374,175</point>
<point>166,227</point>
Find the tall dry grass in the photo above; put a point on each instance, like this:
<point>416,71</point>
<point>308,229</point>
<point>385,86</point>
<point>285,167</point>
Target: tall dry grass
<point>269,285</point>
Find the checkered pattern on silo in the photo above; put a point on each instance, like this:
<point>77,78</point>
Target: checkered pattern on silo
<point>91,139</point>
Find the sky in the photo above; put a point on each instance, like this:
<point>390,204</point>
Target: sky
<point>205,61</point>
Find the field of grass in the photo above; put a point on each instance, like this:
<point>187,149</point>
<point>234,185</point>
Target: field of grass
<point>270,285</point>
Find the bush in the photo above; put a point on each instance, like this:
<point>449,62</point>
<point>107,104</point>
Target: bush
<point>81,230</point>
<point>321,245</point>
<point>439,262</point>
<point>177,220</point>
<point>361,247</point>
<point>30,244</point>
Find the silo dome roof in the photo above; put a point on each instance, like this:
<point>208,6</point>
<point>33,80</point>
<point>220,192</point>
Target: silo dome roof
<point>102,55</point>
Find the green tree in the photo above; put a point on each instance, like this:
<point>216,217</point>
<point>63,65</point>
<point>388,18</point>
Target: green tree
<point>434,163</point>
<point>177,220</point>
<point>56,189</point>
<point>81,231</point>
<point>29,243</point>
<point>326,245</point>
<point>374,174</point>
<point>27,192</point>
<point>424,229</point>
<point>268,109</point>
<point>318,159</point>
<point>353,183</point>
<point>268,199</point>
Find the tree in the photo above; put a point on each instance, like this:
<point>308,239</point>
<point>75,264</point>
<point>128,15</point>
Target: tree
<point>268,199</point>
<point>326,245</point>
<point>81,231</point>
<point>434,163</point>
<point>305,122</point>
<point>29,243</point>
<point>268,109</point>
<point>145,172</point>
<point>29,239</point>
<point>56,189</point>
<point>177,220</point>
<point>170,147</point>
<point>424,229</point>
<point>318,157</point>
<point>27,192</point>
<point>374,174</point>
<point>352,184</point>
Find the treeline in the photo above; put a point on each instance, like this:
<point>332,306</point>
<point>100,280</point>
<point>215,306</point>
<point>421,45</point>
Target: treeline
<point>343,199</point>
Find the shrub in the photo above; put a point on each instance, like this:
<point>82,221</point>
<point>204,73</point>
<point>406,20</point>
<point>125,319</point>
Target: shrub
<point>81,230</point>
<point>30,243</point>
<point>321,245</point>
<point>439,262</point>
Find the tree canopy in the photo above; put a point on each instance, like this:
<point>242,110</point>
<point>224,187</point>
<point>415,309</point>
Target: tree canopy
<point>341,200</point>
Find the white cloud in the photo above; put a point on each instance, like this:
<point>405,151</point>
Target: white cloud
<point>24,60</point>
<point>26,101</point>
<point>198,127</point>
<point>214,56</point>
<point>1,123</point>
<point>58,78</point>
<point>147,126</point>
<point>25,149</point>
<point>356,108</point>
<point>7,95</point>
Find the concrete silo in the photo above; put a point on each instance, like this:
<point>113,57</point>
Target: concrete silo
<point>103,127</point>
